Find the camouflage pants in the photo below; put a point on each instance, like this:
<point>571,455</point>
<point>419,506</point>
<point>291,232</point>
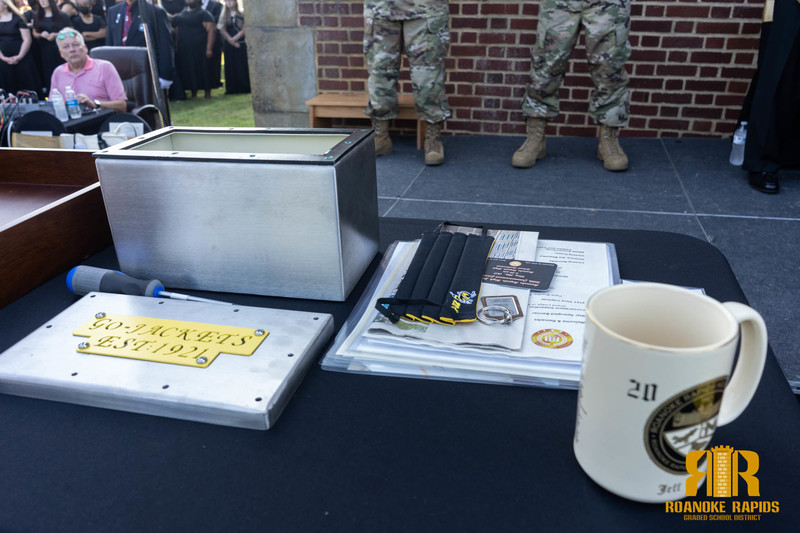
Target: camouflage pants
<point>606,25</point>
<point>426,41</point>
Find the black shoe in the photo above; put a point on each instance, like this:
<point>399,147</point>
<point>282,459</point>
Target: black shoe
<point>766,182</point>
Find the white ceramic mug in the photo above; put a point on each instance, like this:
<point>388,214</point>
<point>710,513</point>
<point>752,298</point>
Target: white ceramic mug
<point>657,380</point>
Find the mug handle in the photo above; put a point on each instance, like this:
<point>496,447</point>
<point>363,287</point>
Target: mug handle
<point>752,355</point>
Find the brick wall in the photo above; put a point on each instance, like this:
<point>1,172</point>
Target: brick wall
<point>691,64</point>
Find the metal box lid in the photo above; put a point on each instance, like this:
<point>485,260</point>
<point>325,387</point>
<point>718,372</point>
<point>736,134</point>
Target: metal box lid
<point>58,362</point>
<point>241,145</point>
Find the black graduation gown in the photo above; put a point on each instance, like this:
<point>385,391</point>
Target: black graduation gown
<point>49,57</point>
<point>97,23</point>
<point>215,61</point>
<point>24,75</point>
<point>237,73</point>
<point>190,53</point>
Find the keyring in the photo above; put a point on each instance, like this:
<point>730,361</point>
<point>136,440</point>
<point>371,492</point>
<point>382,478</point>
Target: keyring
<point>494,309</point>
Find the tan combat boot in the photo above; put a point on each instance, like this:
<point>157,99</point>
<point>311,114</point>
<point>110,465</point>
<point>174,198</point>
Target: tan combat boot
<point>535,145</point>
<point>609,150</point>
<point>434,151</point>
<point>383,144</point>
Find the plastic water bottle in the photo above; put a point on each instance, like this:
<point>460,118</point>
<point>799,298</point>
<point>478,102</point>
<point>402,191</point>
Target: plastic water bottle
<point>72,103</point>
<point>737,150</point>
<point>58,105</point>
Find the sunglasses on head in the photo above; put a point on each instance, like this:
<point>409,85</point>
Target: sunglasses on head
<point>64,35</point>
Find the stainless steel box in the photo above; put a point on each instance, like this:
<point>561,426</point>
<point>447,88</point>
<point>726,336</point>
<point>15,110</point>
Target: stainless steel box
<point>278,212</point>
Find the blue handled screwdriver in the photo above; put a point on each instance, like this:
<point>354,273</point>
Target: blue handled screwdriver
<point>84,279</point>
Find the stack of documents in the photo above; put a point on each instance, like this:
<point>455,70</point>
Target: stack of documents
<point>542,348</point>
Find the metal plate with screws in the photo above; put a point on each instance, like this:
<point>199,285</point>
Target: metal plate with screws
<point>233,390</point>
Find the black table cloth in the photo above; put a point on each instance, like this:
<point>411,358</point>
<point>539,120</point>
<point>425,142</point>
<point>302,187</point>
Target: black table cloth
<point>359,452</point>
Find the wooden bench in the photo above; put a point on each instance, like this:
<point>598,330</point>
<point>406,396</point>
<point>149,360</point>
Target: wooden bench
<point>326,106</point>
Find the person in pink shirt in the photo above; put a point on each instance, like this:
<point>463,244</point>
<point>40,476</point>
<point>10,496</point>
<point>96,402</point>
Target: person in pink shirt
<point>95,81</point>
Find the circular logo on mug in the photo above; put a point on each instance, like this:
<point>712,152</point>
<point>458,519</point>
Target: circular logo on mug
<point>684,423</point>
<point>551,338</point>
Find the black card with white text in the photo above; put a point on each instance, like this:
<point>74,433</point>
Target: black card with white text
<point>515,273</point>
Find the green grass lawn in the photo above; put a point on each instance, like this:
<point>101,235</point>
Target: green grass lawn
<point>235,110</point>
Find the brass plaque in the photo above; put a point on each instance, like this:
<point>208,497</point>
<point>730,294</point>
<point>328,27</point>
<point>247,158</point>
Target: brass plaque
<point>165,341</point>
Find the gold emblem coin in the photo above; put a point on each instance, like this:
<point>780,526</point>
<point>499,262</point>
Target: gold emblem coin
<point>552,338</point>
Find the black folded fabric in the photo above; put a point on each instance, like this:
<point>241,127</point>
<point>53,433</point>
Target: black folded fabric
<point>442,281</point>
<point>460,304</point>
<point>395,307</point>
<point>430,272</point>
<point>444,278</point>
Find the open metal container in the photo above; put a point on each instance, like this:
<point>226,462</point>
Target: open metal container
<point>277,212</point>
